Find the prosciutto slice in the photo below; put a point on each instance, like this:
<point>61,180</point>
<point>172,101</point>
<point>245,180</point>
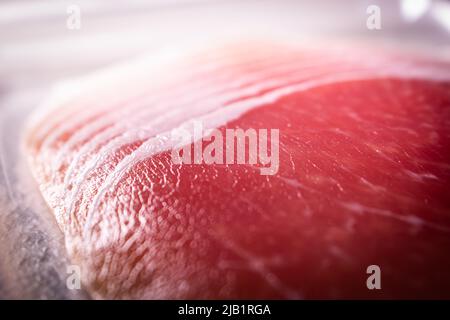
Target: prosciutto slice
<point>363,176</point>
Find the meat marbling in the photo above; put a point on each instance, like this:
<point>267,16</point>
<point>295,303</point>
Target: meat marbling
<point>363,179</point>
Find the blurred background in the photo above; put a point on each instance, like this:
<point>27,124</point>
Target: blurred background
<point>45,42</point>
<point>40,39</point>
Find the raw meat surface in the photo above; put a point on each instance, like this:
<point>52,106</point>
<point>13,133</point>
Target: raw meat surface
<point>363,179</point>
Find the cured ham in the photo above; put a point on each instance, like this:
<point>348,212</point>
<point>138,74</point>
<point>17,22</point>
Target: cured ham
<point>363,176</point>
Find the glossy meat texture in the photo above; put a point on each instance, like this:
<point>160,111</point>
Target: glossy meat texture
<point>363,179</point>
